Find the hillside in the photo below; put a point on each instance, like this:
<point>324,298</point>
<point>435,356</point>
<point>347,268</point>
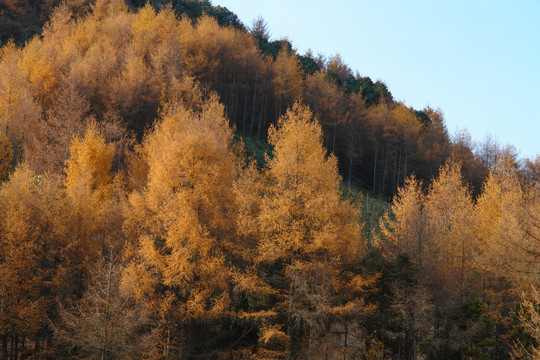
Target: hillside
<point>175,184</point>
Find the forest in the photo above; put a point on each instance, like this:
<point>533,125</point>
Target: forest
<point>178,185</point>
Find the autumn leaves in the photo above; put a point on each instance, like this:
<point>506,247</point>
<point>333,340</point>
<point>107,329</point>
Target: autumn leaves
<point>203,230</point>
<point>131,217</point>
<point>496,232</point>
<point>209,231</point>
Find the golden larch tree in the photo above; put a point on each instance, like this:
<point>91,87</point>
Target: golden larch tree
<point>448,210</point>
<point>6,156</point>
<point>21,307</point>
<point>183,220</point>
<point>508,226</point>
<point>406,230</point>
<point>287,80</point>
<point>88,216</point>
<point>308,235</point>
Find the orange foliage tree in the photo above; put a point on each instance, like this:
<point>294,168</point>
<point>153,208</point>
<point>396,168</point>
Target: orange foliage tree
<point>183,220</point>
<point>308,238</point>
<point>21,305</point>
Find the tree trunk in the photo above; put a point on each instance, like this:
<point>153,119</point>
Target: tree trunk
<point>345,342</point>
<point>262,122</point>
<point>259,127</point>
<point>253,105</point>
<point>351,153</point>
<point>462,276</point>
<point>350,169</point>
<point>395,173</point>
<point>37,350</point>
<point>235,98</point>
<point>385,168</point>
<point>291,347</point>
<point>16,348</point>
<point>375,168</point>
<point>279,111</point>
<point>399,168</point>
<point>245,99</point>
<point>4,347</point>
<point>405,170</point>
<point>334,138</point>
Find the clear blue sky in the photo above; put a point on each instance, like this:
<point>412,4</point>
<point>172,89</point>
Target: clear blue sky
<point>478,60</point>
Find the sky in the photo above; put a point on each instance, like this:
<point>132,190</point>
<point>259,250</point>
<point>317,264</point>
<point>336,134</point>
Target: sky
<point>476,60</point>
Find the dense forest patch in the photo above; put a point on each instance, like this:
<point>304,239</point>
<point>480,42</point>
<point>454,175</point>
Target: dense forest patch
<point>178,185</point>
